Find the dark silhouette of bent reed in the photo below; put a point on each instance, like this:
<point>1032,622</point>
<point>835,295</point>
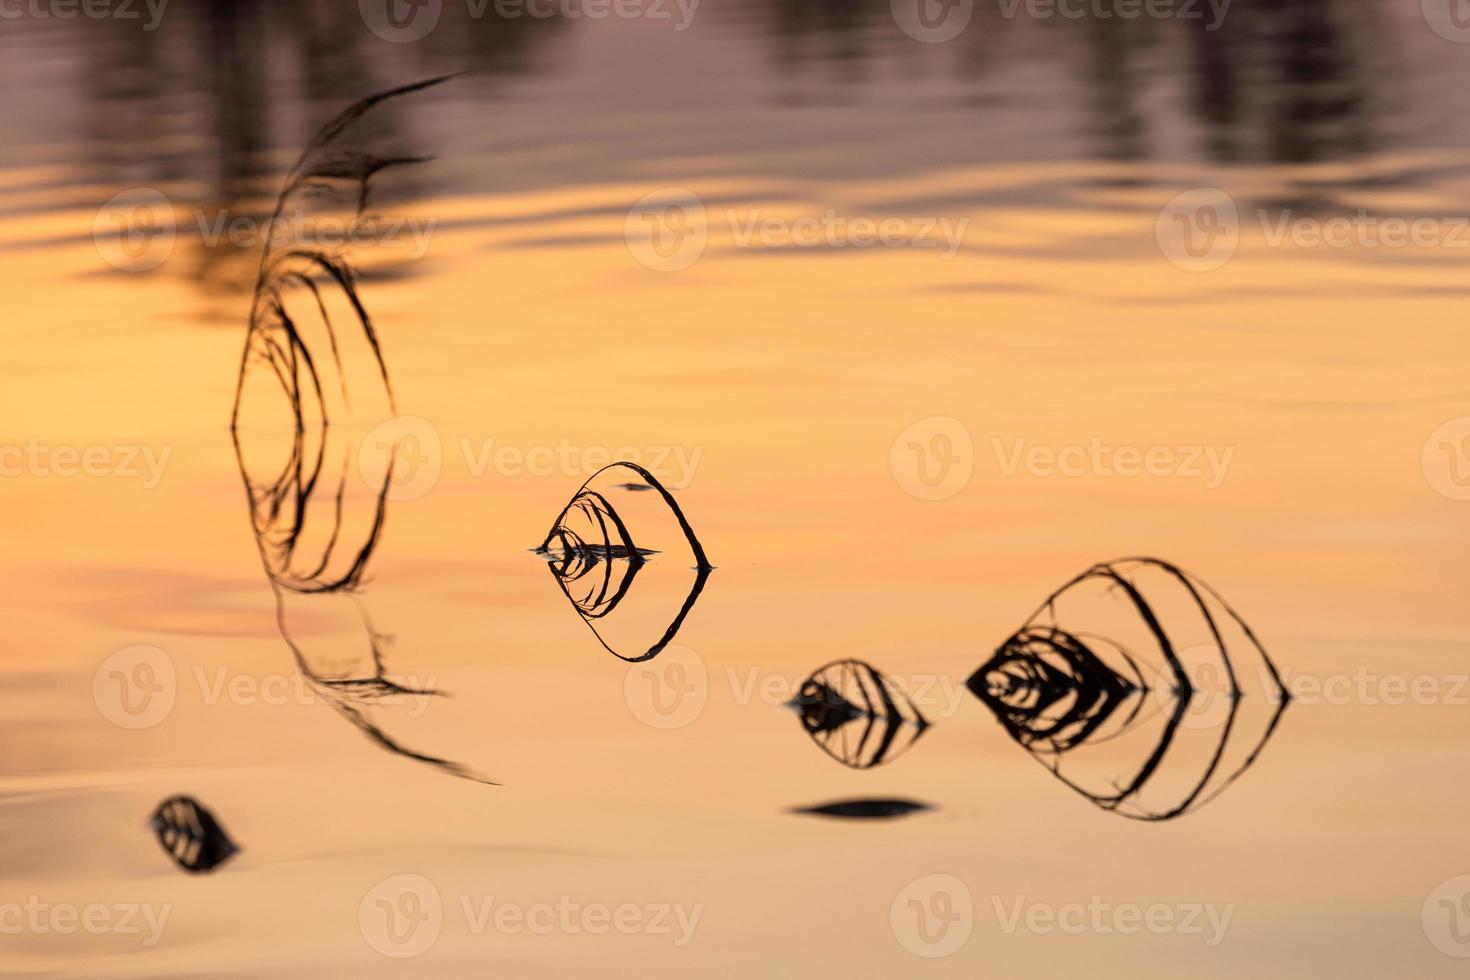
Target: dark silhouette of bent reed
<point>311,338</point>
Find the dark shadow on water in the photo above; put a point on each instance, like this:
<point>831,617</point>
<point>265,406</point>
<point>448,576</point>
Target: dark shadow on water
<point>864,809</point>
